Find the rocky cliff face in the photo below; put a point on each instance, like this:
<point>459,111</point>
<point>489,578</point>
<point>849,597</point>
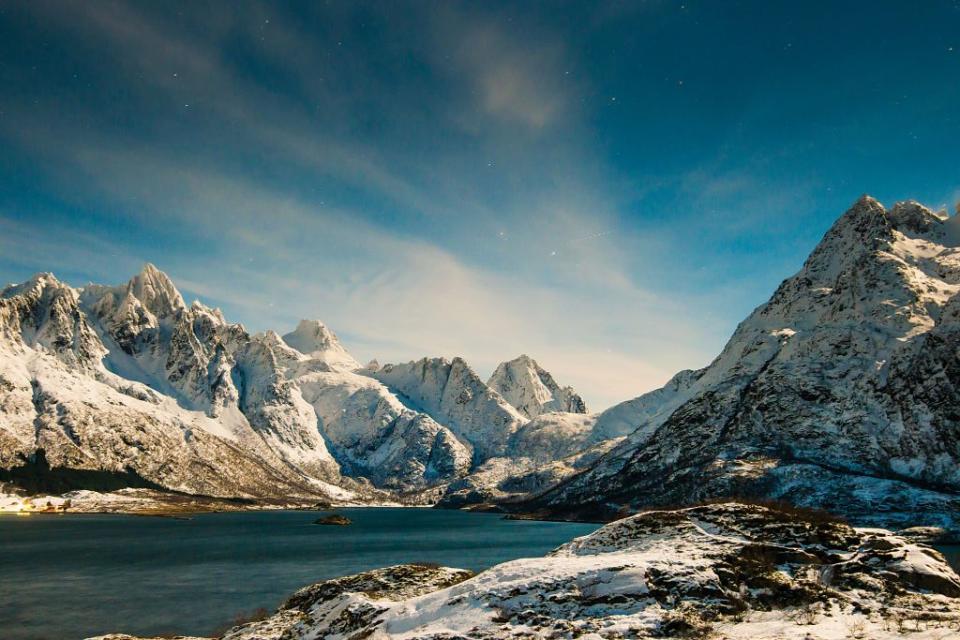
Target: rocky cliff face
<point>531,390</point>
<point>840,391</point>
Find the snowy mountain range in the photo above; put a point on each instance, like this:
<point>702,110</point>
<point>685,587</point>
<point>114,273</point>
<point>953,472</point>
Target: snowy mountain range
<point>130,380</point>
<point>841,391</point>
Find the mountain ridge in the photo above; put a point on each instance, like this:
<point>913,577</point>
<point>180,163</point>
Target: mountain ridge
<point>842,389</point>
<point>287,416</point>
<point>821,397</point>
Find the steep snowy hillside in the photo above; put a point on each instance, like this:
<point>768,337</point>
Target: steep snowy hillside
<point>842,391</point>
<point>377,437</point>
<point>722,571</point>
<point>531,390</point>
<point>542,453</point>
<point>455,396</point>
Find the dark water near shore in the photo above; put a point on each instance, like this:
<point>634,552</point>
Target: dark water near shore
<point>952,553</point>
<point>70,576</point>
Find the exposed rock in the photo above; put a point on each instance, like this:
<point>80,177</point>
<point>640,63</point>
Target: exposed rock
<point>334,519</point>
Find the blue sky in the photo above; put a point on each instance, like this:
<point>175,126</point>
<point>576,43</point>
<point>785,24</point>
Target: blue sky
<point>607,186</point>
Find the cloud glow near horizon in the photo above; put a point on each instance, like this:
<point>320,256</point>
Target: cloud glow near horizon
<point>607,187</point>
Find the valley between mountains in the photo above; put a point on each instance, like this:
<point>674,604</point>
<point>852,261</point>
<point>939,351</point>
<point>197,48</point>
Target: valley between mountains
<point>840,392</point>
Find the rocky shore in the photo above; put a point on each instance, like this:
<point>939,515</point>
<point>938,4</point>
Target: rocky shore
<point>724,570</point>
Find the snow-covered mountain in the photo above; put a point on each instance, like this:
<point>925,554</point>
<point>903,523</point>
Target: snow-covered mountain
<point>60,394</point>
<point>315,340</point>
<point>531,390</point>
<point>451,391</point>
<point>842,391</point>
<point>130,380</point>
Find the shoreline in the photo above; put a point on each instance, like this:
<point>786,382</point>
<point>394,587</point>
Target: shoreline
<point>149,502</point>
<point>152,503</point>
<point>650,545</point>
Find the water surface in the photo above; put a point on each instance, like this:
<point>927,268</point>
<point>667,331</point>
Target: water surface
<point>952,553</point>
<point>71,576</point>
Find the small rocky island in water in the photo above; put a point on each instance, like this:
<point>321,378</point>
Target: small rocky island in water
<point>726,570</point>
<point>334,519</point>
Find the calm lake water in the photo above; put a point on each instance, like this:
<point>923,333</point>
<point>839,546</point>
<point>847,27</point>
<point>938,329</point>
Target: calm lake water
<point>71,576</point>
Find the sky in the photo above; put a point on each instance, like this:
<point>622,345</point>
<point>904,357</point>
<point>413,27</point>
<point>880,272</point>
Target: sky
<point>609,187</point>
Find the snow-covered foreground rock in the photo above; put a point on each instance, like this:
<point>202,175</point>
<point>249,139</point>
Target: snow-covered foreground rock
<point>841,392</point>
<point>720,571</point>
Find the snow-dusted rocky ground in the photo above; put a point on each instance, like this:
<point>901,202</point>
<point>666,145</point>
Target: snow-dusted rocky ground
<point>721,571</point>
<point>153,502</point>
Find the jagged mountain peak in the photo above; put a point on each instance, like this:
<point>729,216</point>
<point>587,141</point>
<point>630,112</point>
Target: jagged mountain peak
<point>156,291</point>
<point>314,339</point>
<point>531,390</point>
<point>43,313</point>
<point>214,312</point>
<point>36,283</point>
<point>312,335</point>
<point>867,219</point>
<point>846,376</point>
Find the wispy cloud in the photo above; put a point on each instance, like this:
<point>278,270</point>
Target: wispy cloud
<point>480,237</point>
<point>522,80</point>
